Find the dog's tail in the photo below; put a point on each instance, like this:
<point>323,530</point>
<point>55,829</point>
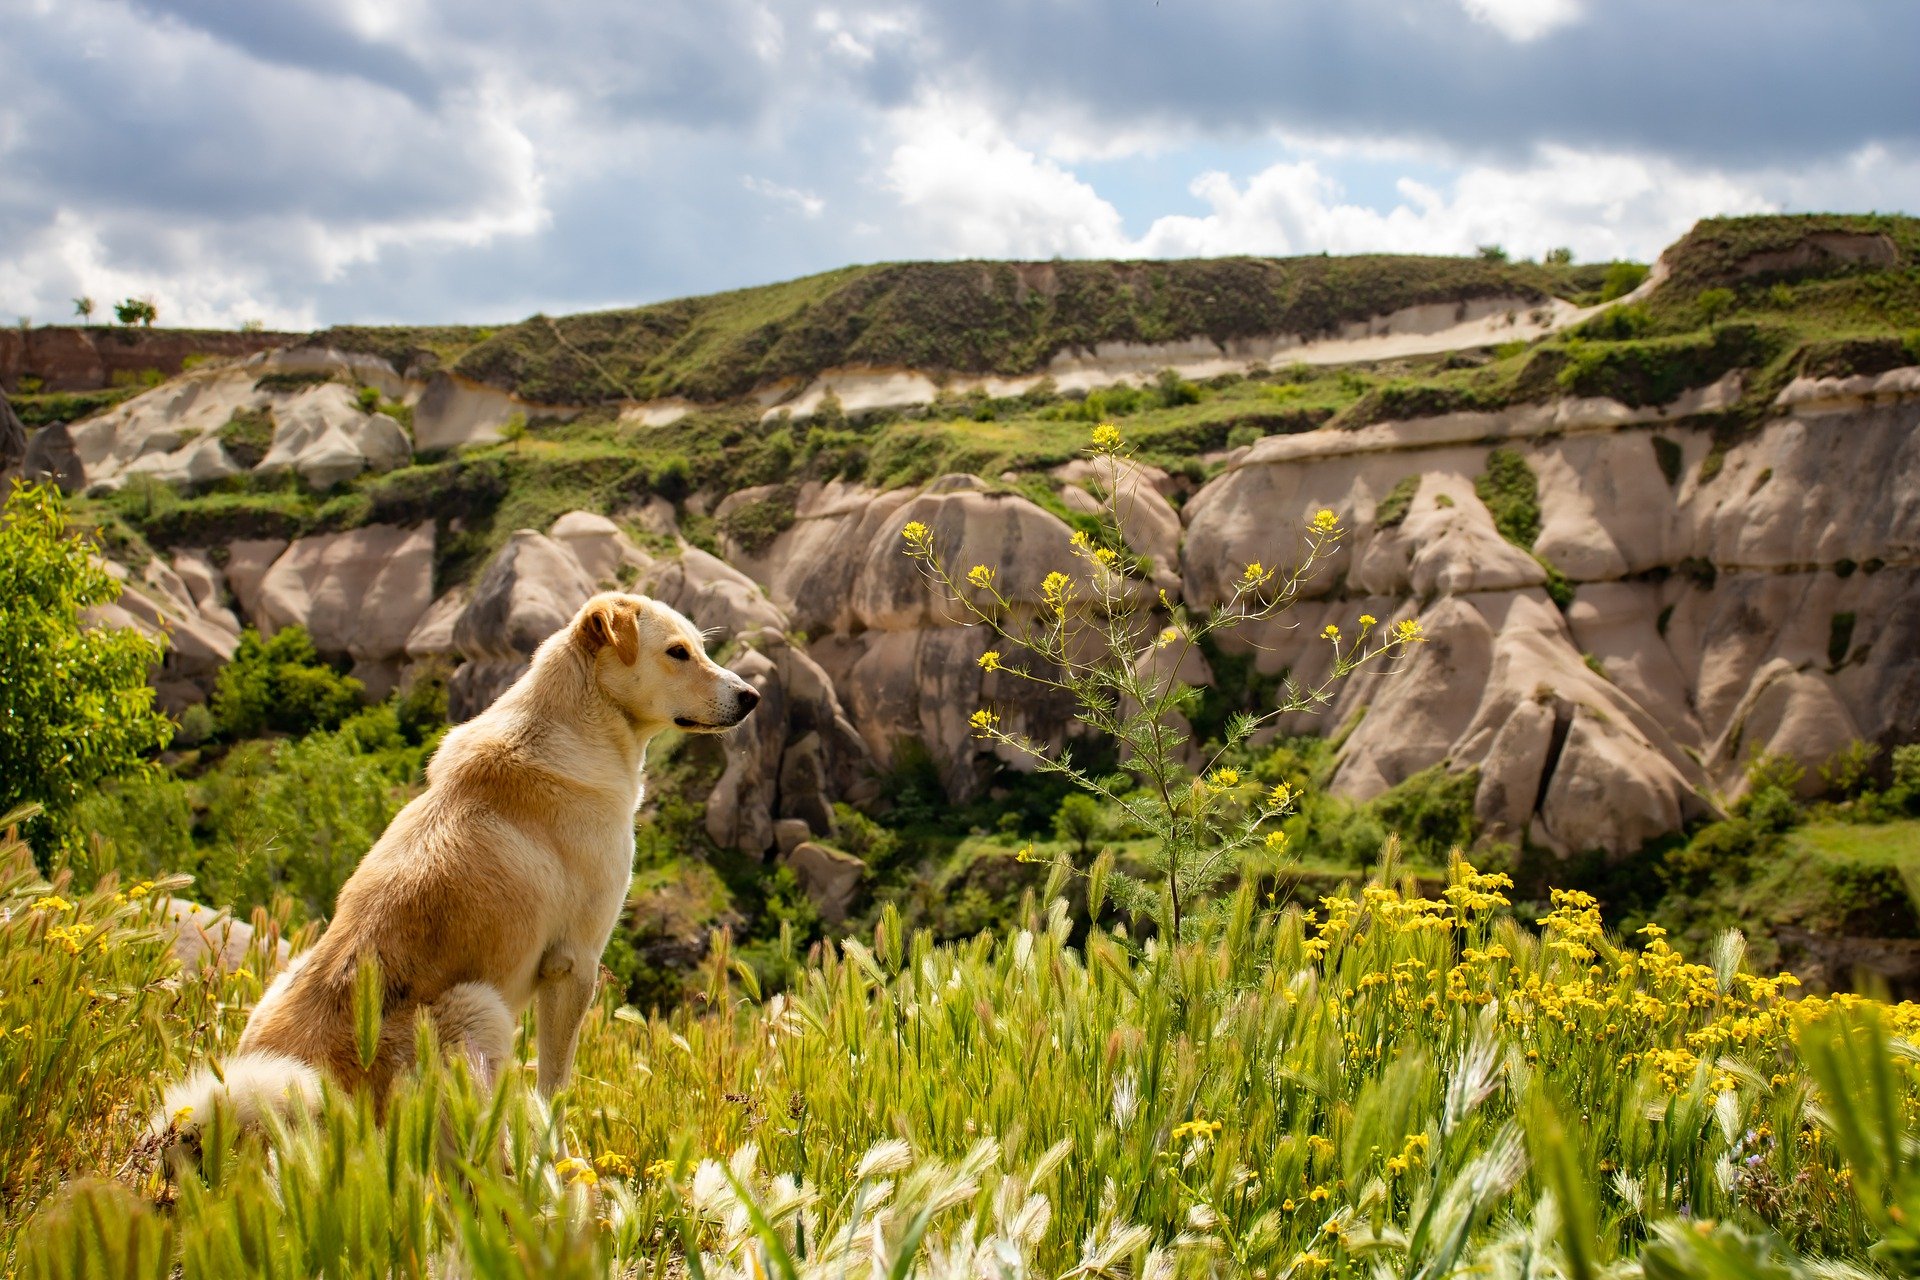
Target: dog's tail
<point>249,1087</point>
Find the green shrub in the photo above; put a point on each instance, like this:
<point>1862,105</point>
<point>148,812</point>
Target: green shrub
<point>1080,822</point>
<point>77,706</point>
<point>1432,812</point>
<point>280,685</point>
<point>1617,324</point>
<point>1847,771</point>
<point>1713,304</point>
<point>753,525</point>
<point>247,436</point>
<point>1655,371</point>
<point>1621,279</point>
<point>1393,508</point>
<point>1512,494</point>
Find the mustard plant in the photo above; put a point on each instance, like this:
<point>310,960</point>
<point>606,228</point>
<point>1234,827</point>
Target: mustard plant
<point>1103,635</point>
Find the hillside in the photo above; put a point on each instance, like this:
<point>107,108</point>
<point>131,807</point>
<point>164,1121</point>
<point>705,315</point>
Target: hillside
<point>1652,537</point>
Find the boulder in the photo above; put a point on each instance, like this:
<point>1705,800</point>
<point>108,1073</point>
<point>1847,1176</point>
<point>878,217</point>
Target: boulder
<point>830,879</point>
<point>13,441</point>
<point>530,589</point>
<point>50,457</point>
<point>324,435</point>
<point>793,757</point>
<point>358,594</point>
<point>208,936</point>
<point>790,833</point>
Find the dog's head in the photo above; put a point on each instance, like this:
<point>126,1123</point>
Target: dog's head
<point>654,666</point>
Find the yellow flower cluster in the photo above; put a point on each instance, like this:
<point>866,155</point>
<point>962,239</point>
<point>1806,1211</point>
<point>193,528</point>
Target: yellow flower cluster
<point>980,576</point>
<point>1106,436</point>
<point>574,1169</point>
<point>918,536</point>
<point>983,721</point>
<point>1325,521</point>
<point>52,903</point>
<point>990,660</point>
<point>614,1164</point>
<point>1199,1128</point>
<point>1056,589</point>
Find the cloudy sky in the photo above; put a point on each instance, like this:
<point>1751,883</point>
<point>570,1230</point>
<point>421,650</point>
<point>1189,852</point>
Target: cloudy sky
<point>303,162</point>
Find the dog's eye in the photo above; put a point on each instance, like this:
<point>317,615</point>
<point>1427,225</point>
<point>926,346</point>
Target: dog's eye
<point>679,653</point>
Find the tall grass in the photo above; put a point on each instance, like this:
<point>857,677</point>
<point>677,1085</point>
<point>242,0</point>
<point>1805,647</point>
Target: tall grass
<point>1387,1085</point>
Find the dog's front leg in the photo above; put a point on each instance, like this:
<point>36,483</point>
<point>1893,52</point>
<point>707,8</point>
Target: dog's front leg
<point>566,989</point>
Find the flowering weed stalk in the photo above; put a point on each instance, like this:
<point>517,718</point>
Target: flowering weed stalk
<point>1102,635</point>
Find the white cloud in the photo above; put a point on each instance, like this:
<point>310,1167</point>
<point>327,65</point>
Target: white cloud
<point>806,202</point>
<point>1523,20</point>
<point>971,191</point>
<point>1603,206</point>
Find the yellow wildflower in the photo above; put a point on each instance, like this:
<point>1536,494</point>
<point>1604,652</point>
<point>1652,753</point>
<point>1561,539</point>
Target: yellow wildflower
<point>614,1163</point>
<point>1080,540</point>
<point>990,660</point>
<point>1056,589</point>
<point>1200,1129</point>
<point>916,534</point>
<point>50,903</point>
<point>980,576</point>
<point>1225,778</point>
<point>1276,841</point>
<point>983,721</point>
<point>659,1170</point>
<point>1168,636</point>
<point>574,1169</point>
<point>1332,633</point>
<point>1367,619</point>
<point>1253,573</point>
<point>1106,436</point>
<point>1325,521</point>
<point>1281,796</point>
<point>1409,631</point>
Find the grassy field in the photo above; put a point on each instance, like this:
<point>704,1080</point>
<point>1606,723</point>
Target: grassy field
<point>1389,1084</point>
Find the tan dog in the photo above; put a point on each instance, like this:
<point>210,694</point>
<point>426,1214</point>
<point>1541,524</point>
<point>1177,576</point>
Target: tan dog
<point>497,887</point>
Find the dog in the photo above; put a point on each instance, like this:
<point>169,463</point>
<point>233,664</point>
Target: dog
<point>497,887</point>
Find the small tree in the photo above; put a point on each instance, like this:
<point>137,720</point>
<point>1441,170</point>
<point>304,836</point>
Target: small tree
<point>83,307</point>
<point>141,311</point>
<point>75,706</point>
<point>1491,253</point>
<point>1560,257</point>
<point>514,430</point>
<point>1103,636</point>
<point>1079,822</point>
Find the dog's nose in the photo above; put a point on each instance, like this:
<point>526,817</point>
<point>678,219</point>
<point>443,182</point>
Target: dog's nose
<point>748,700</point>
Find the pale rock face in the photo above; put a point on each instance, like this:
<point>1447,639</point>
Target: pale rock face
<point>829,877</point>
<point>1147,520</point>
<point>792,758</point>
<point>1790,711</point>
<point>1006,532</point>
<point>432,636</point>
<point>531,588</point>
<point>712,592</point>
<point>320,432</point>
<point>358,593</point>
<point>323,434</point>
<point>597,543</point>
<point>158,603</point>
<point>248,560</point>
<point>809,569</point>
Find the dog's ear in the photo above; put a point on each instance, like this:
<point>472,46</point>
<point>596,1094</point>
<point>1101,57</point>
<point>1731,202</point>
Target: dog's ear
<point>610,622</point>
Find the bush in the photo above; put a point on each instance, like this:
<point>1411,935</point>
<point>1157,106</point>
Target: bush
<point>1080,822</point>
<point>1621,279</point>
<point>1432,812</point>
<point>78,708</point>
<point>1512,494</point>
<point>1393,508</point>
<point>280,686</point>
<point>248,436</point>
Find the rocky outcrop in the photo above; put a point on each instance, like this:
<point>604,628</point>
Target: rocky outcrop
<point>13,442</point>
<point>829,877</point>
<point>86,357</point>
<point>359,594</point>
<point>198,631</point>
